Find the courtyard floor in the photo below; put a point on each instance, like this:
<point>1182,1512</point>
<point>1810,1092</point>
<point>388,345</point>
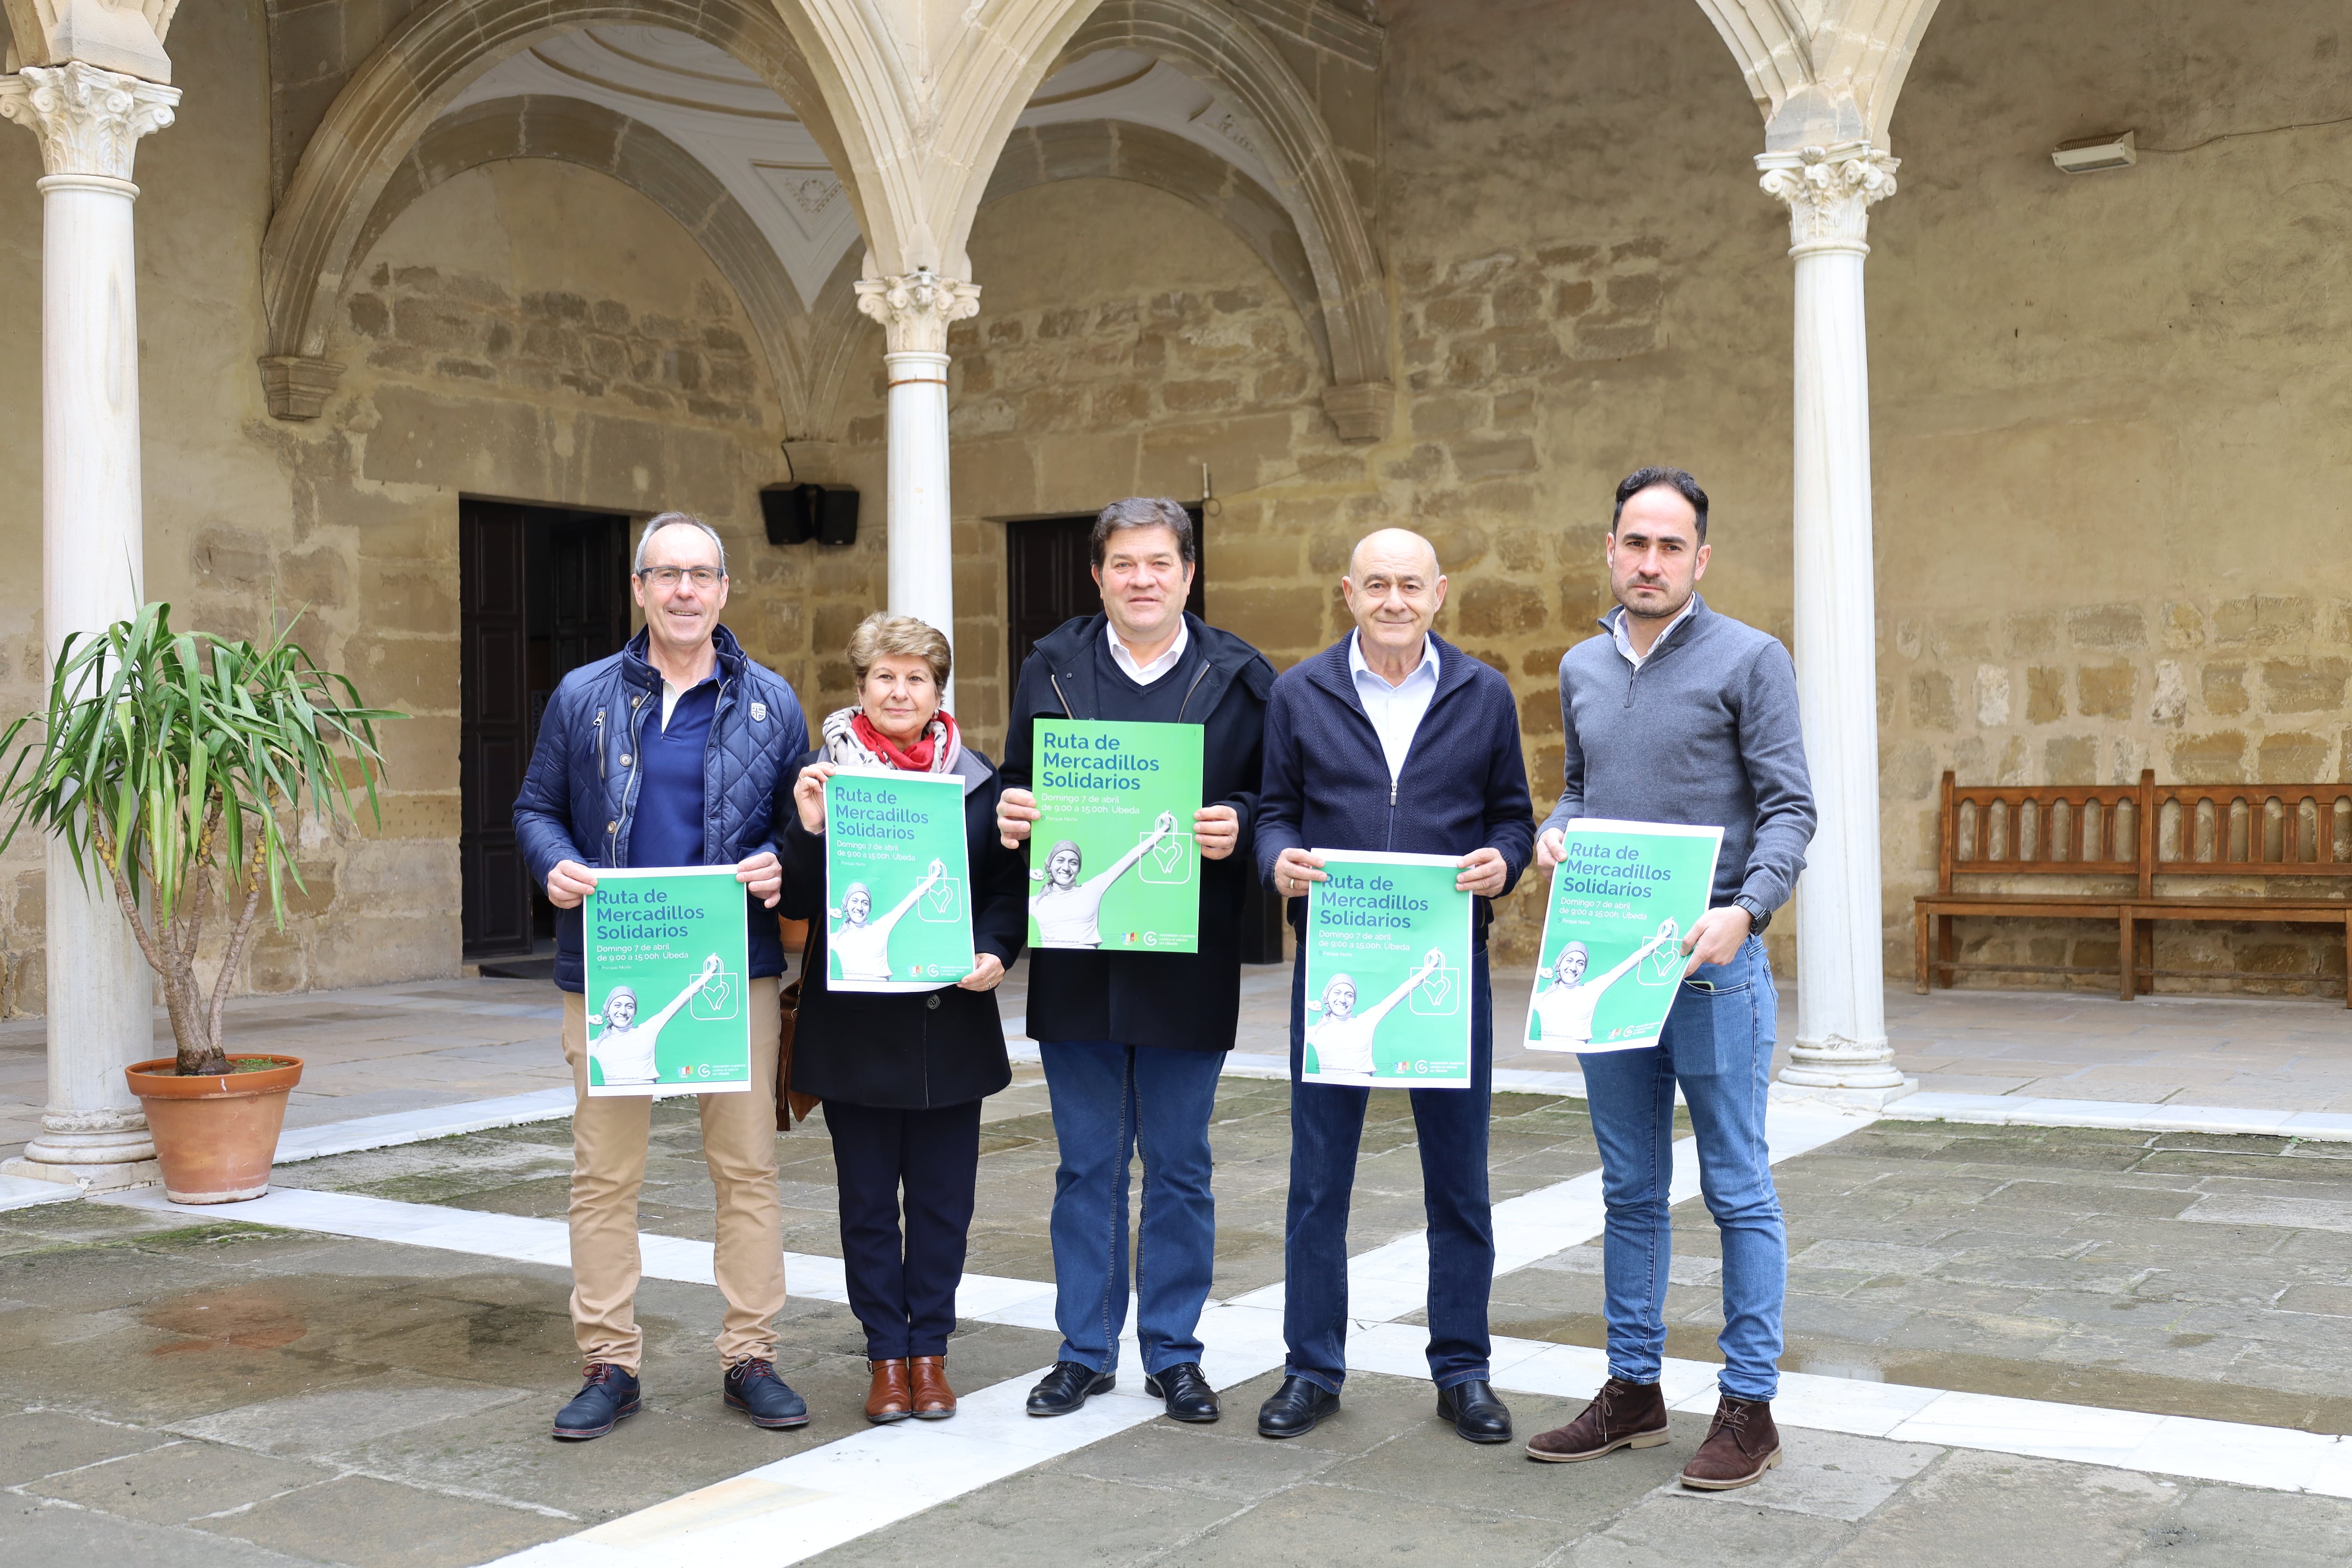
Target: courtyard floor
<point>2006,1343</point>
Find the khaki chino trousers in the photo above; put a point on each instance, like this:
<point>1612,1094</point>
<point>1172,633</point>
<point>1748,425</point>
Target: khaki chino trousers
<point>608,1167</point>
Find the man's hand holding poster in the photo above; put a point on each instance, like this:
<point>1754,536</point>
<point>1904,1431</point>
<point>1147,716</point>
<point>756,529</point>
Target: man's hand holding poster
<point>1113,863</point>
<point>1388,973</point>
<point>1623,898</point>
<point>664,955</point>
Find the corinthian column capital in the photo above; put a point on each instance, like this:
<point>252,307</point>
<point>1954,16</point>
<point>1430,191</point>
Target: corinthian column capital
<point>915,310</point>
<point>89,120</point>
<point>1829,191</point>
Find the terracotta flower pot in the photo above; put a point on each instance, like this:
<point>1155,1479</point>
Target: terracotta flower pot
<point>216,1137</point>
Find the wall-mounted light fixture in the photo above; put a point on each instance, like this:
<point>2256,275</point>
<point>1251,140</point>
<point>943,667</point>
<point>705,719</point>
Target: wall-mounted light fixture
<point>2115,149</point>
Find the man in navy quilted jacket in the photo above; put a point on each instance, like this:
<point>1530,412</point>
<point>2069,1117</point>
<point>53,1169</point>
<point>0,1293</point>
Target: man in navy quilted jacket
<point>668,754</point>
<point>1392,739</point>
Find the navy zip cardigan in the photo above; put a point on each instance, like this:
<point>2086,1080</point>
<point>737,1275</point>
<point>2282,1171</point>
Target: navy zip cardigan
<point>1463,785</point>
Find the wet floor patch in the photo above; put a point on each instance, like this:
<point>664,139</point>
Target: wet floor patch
<point>2179,1274</point>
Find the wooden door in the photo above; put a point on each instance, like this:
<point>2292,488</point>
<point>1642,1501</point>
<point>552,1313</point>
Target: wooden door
<point>540,592</point>
<point>494,727</point>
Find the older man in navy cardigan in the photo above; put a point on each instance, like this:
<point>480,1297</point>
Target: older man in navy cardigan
<point>1392,739</point>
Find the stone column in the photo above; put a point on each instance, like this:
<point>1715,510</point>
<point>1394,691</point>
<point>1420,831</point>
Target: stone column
<point>1841,1051</point>
<point>915,312</point>
<point>101,997</point>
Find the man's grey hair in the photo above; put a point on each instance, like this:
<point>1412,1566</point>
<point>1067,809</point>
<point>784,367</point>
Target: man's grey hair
<point>673,519</point>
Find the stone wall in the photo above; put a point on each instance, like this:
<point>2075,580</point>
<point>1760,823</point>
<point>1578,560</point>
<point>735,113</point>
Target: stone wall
<point>2105,537</point>
<point>2106,407</point>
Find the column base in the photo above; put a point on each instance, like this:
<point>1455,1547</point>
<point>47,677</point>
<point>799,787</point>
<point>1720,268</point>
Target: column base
<point>105,1178</point>
<point>1872,1098</point>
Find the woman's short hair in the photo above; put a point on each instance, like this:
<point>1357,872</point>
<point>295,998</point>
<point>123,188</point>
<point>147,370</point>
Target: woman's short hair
<point>882,636</point>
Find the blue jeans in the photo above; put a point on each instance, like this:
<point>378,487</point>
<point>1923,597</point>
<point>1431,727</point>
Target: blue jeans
<point>1718,1045</point>
<point>1108,1100</point>
<point>1327,1125</point>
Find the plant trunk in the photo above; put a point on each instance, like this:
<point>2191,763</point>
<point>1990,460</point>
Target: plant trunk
<point>170,954</point>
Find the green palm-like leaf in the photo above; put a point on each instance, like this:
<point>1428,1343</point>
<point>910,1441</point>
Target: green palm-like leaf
<point>172,766</point>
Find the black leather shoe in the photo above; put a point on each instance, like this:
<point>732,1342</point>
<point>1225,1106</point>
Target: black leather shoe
<point>1187,1392</point>
<point>1295,1408</point>
<point>754,1387</point>
<point>1068,1387</point>
<point>1474,1411</point>
<point>606,1399</point>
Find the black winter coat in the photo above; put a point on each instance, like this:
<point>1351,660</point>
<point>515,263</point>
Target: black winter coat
<point>1186,1001</point>
<point>905,1050</point>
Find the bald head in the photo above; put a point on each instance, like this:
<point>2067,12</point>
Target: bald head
<point>1394,590</point>
<point>1393,547</point>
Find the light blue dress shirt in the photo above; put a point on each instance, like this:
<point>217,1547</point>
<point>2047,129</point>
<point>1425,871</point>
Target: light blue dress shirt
<point>1395,710</point>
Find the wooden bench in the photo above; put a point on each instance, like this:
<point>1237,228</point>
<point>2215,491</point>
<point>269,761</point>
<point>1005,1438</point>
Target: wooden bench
<point>2123,838</point>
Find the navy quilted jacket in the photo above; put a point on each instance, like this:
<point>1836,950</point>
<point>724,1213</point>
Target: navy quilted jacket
<point>581,790</point>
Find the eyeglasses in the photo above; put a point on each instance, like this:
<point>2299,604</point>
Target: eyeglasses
<point>666,577</point>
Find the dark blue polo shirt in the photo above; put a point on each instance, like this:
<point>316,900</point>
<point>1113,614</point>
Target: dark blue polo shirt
<point>668,829</point>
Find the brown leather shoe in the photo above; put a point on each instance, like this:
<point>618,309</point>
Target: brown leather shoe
<point>889,1399</point>
<point>1621,1416</point>
<point>1741,1445</point>
<point>934,1400</point>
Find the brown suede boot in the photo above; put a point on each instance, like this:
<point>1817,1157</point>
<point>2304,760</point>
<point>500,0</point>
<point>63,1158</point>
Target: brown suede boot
<point>934,1400</point>
<point>1621,1416</point>
<point>889,1399</point>
<point>1741,1445</point>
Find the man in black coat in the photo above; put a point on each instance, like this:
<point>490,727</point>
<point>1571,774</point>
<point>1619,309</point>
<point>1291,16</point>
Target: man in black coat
<point>1133,1042</point>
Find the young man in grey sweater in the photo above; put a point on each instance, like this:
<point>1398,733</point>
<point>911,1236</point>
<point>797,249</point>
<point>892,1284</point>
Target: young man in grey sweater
<point>1677,714</point>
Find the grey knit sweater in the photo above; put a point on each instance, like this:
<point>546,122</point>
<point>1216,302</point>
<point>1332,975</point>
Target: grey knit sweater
<point>1704,733</point>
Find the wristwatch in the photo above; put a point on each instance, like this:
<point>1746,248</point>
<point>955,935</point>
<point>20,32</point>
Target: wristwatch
<point>1758,917</point>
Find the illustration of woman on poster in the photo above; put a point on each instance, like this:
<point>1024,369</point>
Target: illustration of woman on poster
<point>1068,912</point>
<point>1564,1009</point>
<point>861,942</point>
<point>1343,1038</point>
<point>623,1047</point>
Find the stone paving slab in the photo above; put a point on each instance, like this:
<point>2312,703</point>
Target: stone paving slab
<point>2057,1265</point>
<point>1383,1481</point>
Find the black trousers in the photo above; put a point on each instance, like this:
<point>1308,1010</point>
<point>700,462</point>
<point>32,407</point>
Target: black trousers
<point>902,1286</point>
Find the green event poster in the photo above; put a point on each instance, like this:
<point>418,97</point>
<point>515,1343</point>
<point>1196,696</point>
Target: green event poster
<point>1621,902</point>
<point>1115,862</point>
<point>665,954</point>
<point>1387,972</point>
<point>898,906</point>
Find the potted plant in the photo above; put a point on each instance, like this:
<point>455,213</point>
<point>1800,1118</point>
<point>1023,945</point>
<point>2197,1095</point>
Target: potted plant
<point>178,764</point>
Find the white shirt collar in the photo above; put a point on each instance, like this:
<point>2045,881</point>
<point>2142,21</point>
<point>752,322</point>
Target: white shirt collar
<point>1625,644</point>
<point>1360,671</point>
<point>1144,675</point>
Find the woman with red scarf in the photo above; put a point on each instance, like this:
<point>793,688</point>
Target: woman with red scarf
<point>902,1074</point>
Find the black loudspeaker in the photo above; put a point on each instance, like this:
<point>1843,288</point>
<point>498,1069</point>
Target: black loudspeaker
<point>790,512</point>
<point>836,514</point>
<point>796,514</point>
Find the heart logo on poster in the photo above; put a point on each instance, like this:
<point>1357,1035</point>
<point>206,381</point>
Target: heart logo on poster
<point>715,993</point>
<point>1168,855</point>
<point>1435,987</point>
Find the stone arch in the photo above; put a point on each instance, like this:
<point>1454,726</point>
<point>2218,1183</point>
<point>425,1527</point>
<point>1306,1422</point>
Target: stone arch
<point>1351,290</point>
<point>573,130</point>
<point>1147,155</point>
<point>388,105</point>
<point>1827,78</point>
